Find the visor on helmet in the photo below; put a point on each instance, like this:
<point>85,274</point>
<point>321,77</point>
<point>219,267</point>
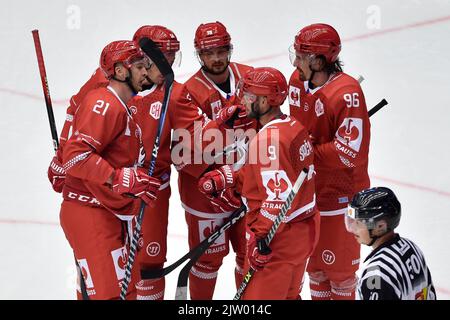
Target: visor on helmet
<point>297,55</point>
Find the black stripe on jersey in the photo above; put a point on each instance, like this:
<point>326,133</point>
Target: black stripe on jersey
<point>389,270</point>
<point>404,275</point>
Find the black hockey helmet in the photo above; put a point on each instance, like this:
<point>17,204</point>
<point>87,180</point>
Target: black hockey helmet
<point>375,204</point>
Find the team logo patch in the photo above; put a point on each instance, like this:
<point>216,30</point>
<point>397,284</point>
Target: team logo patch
<point>206,227</point>
<point>153,249</point>
<point>133,109</point>
<point>350,133</point>
<point>328,257</point>
<point>277,184</point>
<point>294,96</point>
<point>155,110</point>
<point>86,273</point>
<point>319,108</point>
<point>119,257</point>
<point>216,106</point>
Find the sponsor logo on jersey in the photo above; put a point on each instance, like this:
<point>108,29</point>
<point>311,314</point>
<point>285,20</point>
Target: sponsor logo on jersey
<point>119,257</point>
<point>277,185</point>
<point>153,249</point>
<point>206,227</point>
<point>80,197</point>
<point>133,109</point>
<point>350,133</point>
<point>305,150</point>
<point>328,257</point>
<point>319,108</point>
<point>86,273</point>
<point>294,96</point>
<point>155,110</point>
<point>216,106</point>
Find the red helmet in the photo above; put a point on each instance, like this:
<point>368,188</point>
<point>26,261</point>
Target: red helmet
<point>211,35</point>
<point>319,39</point>
<point>164,38</point>
<point>265,82</point>
<point>123,51</point>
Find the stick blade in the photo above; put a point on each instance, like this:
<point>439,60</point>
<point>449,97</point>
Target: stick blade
<point>154,53</point>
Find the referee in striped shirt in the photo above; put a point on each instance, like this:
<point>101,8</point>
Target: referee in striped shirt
<point>396,268</point>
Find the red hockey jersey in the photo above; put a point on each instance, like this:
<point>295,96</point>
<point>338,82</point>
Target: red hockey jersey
<point>277,154</point>
<point>97,80</point>
<point>341,134</point>
<point>301,101</point>
<point>211,99</point>
<point>105,137</point>
<point>181,114</point>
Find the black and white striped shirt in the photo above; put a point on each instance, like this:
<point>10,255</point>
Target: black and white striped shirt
<point>396,270</point>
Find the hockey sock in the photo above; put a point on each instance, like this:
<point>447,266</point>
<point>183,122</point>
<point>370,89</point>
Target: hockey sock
<point>150,289</point>
<point>202,282</point>
<point>344,290</point>
<point>320,286</point>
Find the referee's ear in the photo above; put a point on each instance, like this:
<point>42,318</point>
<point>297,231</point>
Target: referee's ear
<point>380,228</point>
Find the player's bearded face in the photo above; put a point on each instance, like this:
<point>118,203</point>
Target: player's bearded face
<point>215,61</point>
<point>302,62</point>
<point>138,75</point>
<point>252,105</point>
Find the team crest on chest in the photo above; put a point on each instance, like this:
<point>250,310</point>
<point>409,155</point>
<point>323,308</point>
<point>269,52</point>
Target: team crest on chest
<point>155,110</point>
<point>215,107</point>
<point>277,184</point>
<point>294,96</point>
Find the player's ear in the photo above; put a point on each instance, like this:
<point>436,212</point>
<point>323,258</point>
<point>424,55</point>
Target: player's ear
<point>318,63</point>
<point>120,71</point>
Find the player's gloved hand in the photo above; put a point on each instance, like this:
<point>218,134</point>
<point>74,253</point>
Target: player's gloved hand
<point>214,181</point>
<point>232,117</point>
<point>225,201</point>
<point>258,252</point>
<point>56,173</point>
<point>135,183</point>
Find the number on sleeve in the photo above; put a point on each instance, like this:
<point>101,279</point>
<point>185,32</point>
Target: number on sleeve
<point>352,99</point>
<point>99,106</point>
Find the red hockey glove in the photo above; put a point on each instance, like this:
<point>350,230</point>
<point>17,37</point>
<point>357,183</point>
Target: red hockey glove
<point>233,117</point>
<point>56,174</point>
<point>258,252</point>
<point>226,201</point>
<point>212,182</point>
<point>135,183</point>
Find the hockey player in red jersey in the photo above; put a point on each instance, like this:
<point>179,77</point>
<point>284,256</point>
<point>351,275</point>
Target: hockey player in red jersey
<point>340,131</point>
<point>104,186</point>
<point>56,173</point>
<point>277,155</point>
<point>212,88</point>
<point>181,114</point>
<point>301,101</point>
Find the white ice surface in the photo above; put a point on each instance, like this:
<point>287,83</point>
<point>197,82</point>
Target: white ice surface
<point>410,139</point>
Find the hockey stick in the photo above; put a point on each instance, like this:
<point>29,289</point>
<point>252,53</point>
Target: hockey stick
<point>263,244</point>
<point>155,54</point>
<point>196,252</point>
<point>48,100</point>
<point>53,130</point>
<point>377,107</point>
